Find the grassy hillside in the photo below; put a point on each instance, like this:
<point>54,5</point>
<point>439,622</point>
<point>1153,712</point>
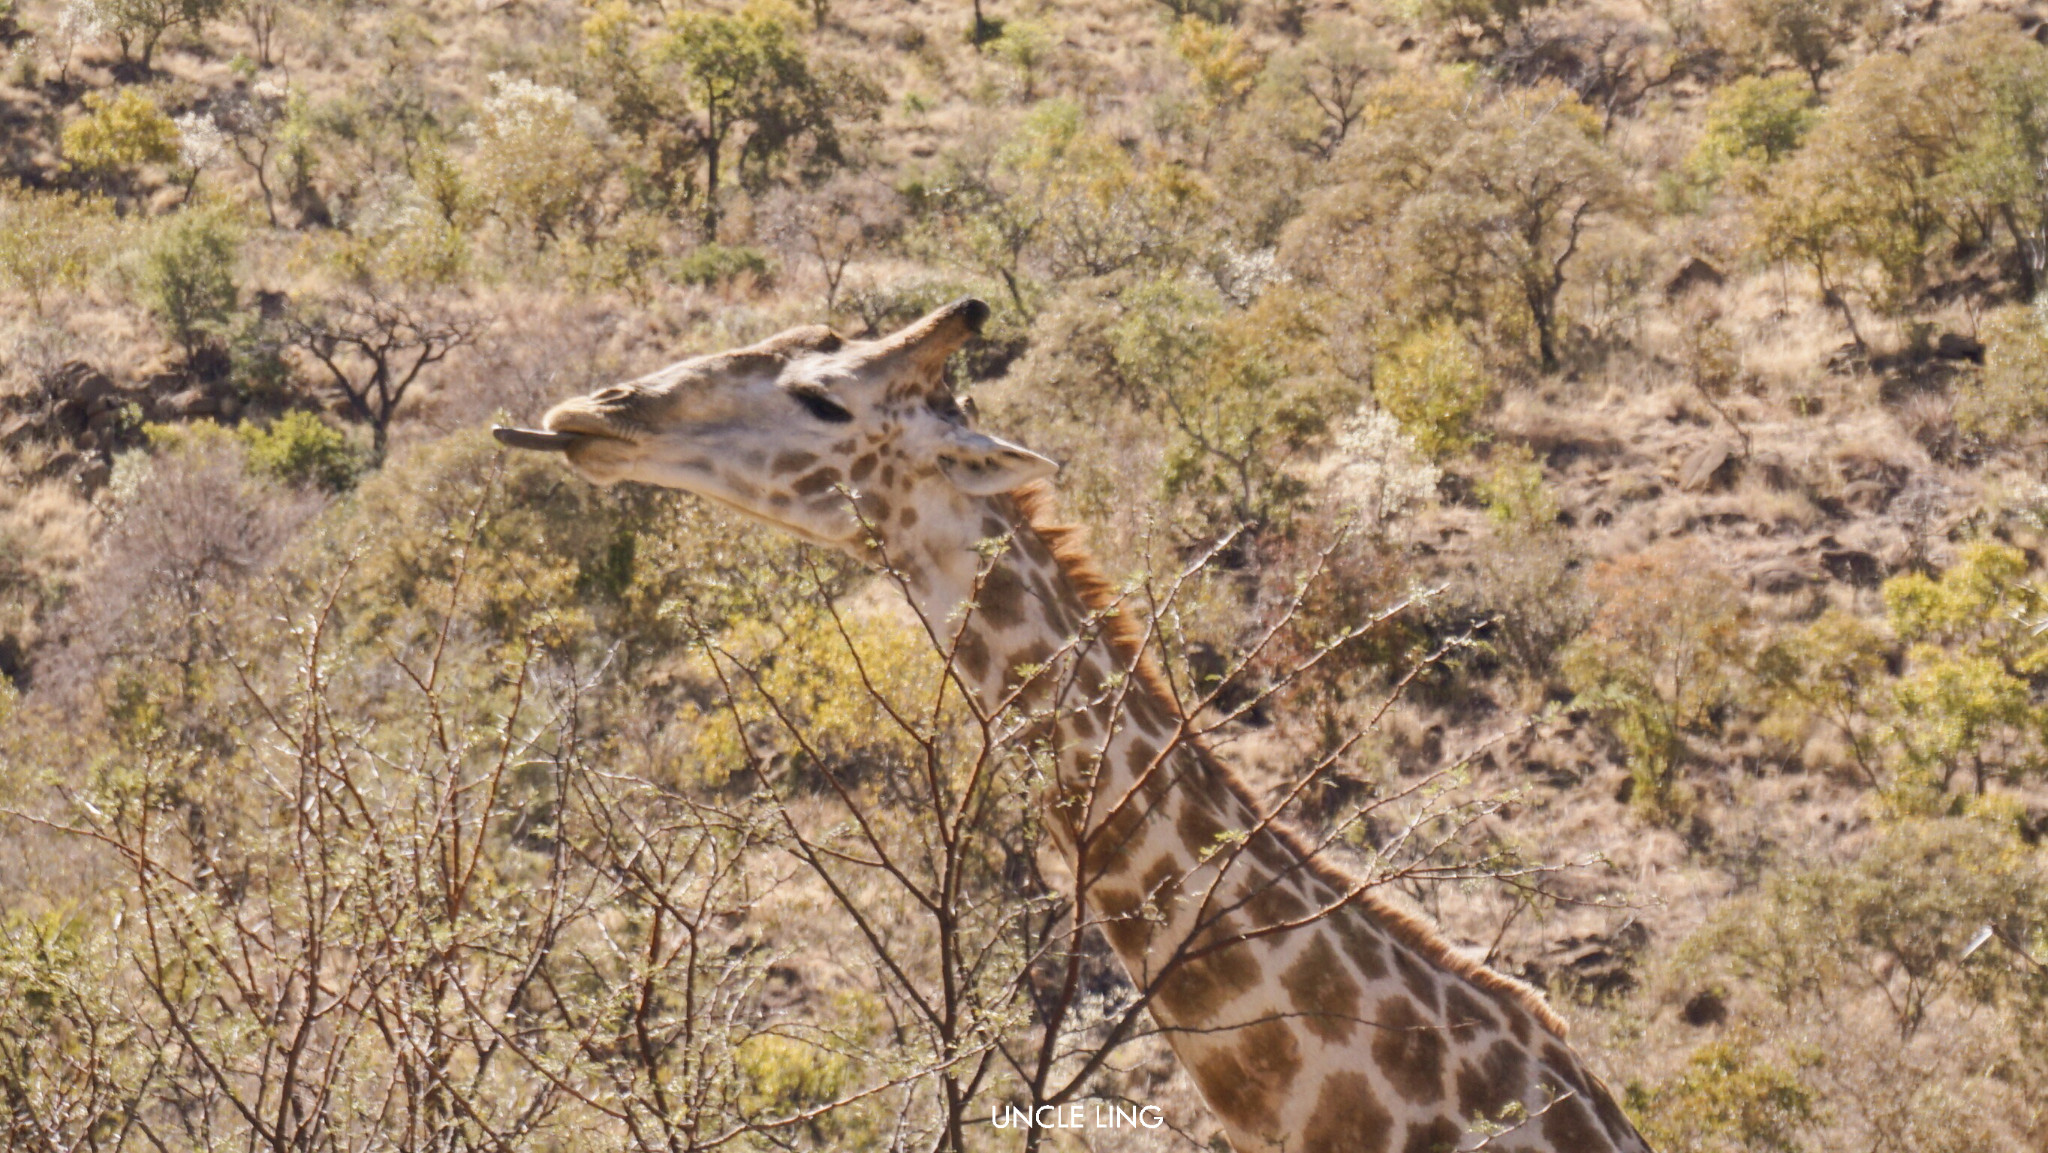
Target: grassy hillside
<point>1676,367</point>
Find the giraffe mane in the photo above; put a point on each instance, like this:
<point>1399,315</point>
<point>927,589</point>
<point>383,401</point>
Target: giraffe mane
<point>1037,506</point>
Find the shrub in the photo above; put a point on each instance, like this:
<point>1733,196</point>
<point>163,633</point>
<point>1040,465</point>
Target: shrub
<point>1378,474</point>
<point>1024,45</point>
<point>300,448</point>
<point>1809,33</point>
<point>1833,673</point>
<point>121,131</point>
<point>539,160</point>
<point>2006,399</point>
<point>713,265</point>
<point>1752,123</point>
<point>1515,493</point>
<point>188,279</point>
<point>50,241</point>
<point>1432,381</point>
<point>1726,1099</point>
<point>1893,922</point>
<point>1659,658</point>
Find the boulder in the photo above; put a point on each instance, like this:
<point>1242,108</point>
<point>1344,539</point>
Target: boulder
<point>78,381</point>
<point>1710,469</point>
<point>1693,274</point>
<point>18,429</point>
<point>93,475</point>
<point>193,402</point>
<point>62,464</point>
<point>1956,346</point>
<point>1704,1008</point>
<point>1853,567</point>
<point>1780,576</point>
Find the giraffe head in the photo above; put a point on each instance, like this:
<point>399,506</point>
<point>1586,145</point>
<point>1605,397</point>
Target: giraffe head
<point>785,429</point>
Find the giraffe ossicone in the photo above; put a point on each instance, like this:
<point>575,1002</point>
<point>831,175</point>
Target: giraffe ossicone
<point>1312,1016</point>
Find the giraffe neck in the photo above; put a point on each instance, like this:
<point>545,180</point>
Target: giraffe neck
<point>1310,1016</point>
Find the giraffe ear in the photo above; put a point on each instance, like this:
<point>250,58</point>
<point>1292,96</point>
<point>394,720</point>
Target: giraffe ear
<point>983,465</point>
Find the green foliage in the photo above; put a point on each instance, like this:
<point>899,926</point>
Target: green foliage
<point>715,98</point>
<point>1447,206</point>
<point>1025,45</point>
<point>1244,392</point>
<point>540,161</point>
<point>1221,61</point>
<point>782,1076</point>
<point>1948,145</point>
<point>2006,399</point>
<point>188,278</point>
<point>1833,673</point>
<point>1895,920</point>
<point>51,241</point>
<point>1726,1099</point>
<point>121,131</point>
<point>1966,701</point>
<point>1514,491</point>
<point>1058,200</point>
<point>300,448</point>
<point>143,23</point>
<point>1752,123</point>
<point>1981,606</point>
<point>1661,656</point>
<point>717,264</point>
<point>1433,382</point>
<point>1809,33</point>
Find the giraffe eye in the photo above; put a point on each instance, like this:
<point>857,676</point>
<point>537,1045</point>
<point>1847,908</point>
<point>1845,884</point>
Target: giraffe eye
<point>821,406</point>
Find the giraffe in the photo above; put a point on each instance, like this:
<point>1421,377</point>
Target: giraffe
<point>1312,1016</point>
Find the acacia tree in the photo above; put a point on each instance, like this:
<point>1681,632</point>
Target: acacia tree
<point>730,95</point>
<point>1454,206</point>
<point>375,343</point>
<point>833,226</point>
<point>141,24</point>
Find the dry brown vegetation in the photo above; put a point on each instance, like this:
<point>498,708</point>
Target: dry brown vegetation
<point>366,789</point>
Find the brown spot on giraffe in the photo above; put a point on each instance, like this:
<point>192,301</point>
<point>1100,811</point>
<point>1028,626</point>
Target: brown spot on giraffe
<point>789,462</point>
<point>1348,1118</point>
<point>1467,1016</point>
<point>1362,945</point>
<point>1438,1136</point>
<point>863,468</point>
<point>811,484</point>
<point>1488,1085</point>
<point>1323,991</point>
<point>1247,1081</point>
<point>1198,826</point>
<point>1083,724</point>
<point>971,653</point>
<point>1420,981</point>
<point>1274,902</point>
<point>1567,1125</point>
<point>1108,847</point>
<point>1216,973</point>
<point>907,517</point>
<point>1122,918</point>
<point>1409,1049</point>
<point>1001,599</point>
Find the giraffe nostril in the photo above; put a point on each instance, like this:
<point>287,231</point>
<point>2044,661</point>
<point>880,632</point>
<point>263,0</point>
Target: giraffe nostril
<point>615,394</point>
